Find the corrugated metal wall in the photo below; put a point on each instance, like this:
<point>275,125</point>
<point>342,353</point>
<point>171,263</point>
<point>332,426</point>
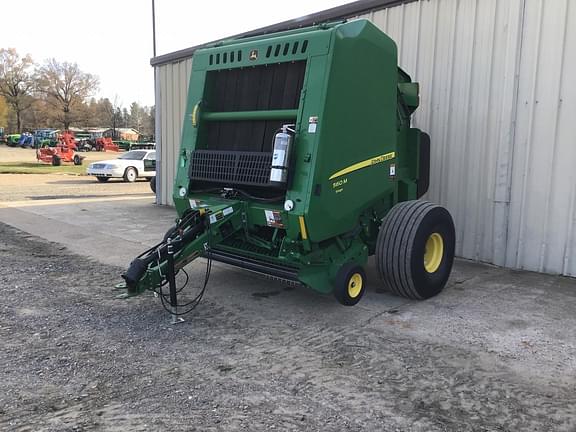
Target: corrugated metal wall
<point>171,93</point>
<point>497,99</point>
<point>465,55</point>
<point>541,222</point>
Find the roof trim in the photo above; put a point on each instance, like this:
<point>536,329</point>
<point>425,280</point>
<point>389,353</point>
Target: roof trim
<point>339,12</point>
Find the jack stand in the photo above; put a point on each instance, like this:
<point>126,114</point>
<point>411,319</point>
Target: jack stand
<point>175,318</point>
<point>172,284</point>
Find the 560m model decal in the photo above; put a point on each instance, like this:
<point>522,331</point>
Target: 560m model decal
<point>364,164</point>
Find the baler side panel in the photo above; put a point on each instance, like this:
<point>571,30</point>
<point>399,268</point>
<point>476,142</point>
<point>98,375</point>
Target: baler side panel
<point>357,130</point>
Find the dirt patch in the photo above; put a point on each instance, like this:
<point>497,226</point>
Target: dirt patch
<point>75,358</point>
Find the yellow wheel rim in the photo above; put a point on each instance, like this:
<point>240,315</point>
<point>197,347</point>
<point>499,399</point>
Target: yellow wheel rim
<point>434,252</point>
<point>355,285</point>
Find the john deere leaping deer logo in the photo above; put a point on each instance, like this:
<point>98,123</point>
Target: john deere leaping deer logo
<point>253,55</point>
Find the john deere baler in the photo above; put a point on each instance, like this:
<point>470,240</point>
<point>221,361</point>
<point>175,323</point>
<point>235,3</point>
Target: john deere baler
<point>297,161</point>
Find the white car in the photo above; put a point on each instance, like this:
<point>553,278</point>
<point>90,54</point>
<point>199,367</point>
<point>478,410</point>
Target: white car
<point>129,166</point>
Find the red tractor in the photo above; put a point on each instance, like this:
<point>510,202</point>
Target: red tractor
<point>106,144</point>
<point>67,139</point>
<point>65,151</point>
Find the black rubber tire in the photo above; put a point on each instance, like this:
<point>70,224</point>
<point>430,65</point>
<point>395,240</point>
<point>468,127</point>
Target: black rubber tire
<point>56,161</point>
<point>102,179</point>
<point>401,246</point>
<point>127,177</point>
<point>342,281</point>
<point>77,160</point>
<point>153,184</point>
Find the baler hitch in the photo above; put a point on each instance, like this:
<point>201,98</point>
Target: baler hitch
<point>191,237</point>
<point>176,238</point>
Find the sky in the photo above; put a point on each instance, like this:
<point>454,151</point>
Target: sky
<point>113,38</point>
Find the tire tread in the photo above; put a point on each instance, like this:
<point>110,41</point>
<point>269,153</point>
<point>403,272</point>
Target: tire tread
<point>394,246</point>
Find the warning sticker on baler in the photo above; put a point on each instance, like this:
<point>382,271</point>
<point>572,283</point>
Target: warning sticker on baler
<point>273,218</point>
<point>312,124</point>
<point>196,203</point>
<point>219,215</point>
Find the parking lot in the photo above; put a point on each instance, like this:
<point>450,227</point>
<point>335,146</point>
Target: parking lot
<point>494,352</point>
<point>38,187</point>
<point>26,187</point>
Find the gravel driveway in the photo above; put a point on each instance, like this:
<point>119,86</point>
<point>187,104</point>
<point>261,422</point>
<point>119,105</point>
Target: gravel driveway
<point>75,358</point>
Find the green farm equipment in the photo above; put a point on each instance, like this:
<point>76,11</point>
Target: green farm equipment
<point>123,145</point>
<point>12,140</point>
<point>298,161</point>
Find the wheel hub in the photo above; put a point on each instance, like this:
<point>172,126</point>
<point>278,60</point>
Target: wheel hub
<point>355,285</point>
<point>434,251</point>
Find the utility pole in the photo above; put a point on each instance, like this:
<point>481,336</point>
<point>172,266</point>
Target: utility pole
<point>156,122</point>
<point>153,29</point>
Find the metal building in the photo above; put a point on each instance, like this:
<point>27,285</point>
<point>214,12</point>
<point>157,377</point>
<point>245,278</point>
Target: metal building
<point>498,100</point>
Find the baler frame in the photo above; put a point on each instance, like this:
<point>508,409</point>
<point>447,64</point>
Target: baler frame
<point>355,158</point>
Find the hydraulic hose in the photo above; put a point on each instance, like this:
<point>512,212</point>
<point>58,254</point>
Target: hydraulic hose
<point>179,238</point>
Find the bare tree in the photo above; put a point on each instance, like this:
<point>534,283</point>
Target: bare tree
<point>65,87</point>
<point>16,82</point>
<point>113,110</point>
<point>3,112</point>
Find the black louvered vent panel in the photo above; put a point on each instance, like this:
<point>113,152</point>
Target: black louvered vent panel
<point>231,167</point>
<point>263,87</point>
<point>275,86</point>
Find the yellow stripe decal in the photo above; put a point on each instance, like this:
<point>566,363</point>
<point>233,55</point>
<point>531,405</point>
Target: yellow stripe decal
<point>195,115</point>
<point>364,164</point>
<point>303,228</point>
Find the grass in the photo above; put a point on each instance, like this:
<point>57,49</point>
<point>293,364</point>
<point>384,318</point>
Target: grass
<point>40,168</point>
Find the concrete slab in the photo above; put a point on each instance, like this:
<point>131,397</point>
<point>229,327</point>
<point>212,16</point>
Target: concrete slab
<point>111,230</point>
<point>521,318</point>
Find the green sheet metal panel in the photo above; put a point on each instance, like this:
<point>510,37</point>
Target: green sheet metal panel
<point>347,137</point>
<point>356,137</point>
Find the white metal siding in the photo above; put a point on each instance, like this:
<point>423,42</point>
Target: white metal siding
<point>172,84</point>
<point>541,223</point>
<point>465,54</point>
<point>498,101</point>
